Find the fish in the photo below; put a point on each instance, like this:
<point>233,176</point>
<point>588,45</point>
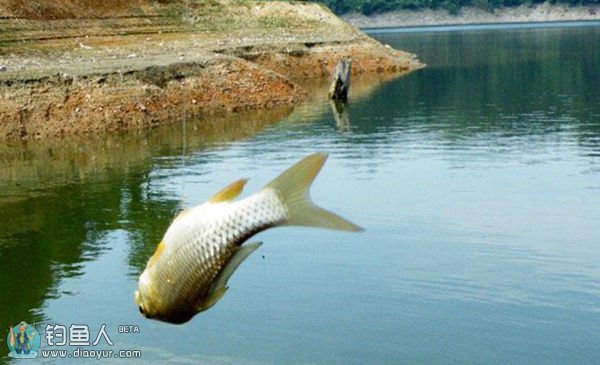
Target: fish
<point>204,245</point>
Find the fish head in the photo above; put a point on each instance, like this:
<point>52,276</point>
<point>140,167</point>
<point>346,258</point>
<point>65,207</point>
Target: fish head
<point>146,297</point>
<point>152,307</point>
<point>143,296</point>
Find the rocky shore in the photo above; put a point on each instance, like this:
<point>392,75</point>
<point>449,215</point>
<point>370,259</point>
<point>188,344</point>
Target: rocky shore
<point>72,70</point>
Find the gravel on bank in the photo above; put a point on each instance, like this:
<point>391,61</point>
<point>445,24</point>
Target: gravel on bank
<point>139,66</point>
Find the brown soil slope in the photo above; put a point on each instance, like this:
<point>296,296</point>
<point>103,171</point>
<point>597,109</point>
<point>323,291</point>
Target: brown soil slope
<point>86,66</point>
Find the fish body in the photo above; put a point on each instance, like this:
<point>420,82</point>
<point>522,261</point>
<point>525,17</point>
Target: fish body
<point>204,245</point>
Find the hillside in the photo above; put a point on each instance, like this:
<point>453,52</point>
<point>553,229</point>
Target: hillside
<point>88,66</point>
<point>370,7</point>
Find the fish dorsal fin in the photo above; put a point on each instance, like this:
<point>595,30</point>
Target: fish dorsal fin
<point>219,285</point>
<point>230,192</point>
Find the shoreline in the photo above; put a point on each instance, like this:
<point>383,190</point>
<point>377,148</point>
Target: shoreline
<point>539,13</point>
<point>152,63</point>
<point>482,26</point>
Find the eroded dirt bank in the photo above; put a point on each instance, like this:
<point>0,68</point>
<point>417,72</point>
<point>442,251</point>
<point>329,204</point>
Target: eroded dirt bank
<point>70,70</point>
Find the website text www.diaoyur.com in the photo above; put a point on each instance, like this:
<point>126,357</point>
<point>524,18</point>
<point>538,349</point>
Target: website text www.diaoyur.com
<point>81,353</point>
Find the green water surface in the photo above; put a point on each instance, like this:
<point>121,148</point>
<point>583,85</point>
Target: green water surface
<point>477,180</point>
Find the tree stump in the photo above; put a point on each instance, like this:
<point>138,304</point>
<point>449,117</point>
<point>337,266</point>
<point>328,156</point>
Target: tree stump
<point>340,82</point>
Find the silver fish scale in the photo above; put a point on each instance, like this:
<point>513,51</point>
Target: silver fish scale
<point>204,249</point>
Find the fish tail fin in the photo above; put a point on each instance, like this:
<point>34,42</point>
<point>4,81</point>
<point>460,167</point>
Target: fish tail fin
<point>293,186</point>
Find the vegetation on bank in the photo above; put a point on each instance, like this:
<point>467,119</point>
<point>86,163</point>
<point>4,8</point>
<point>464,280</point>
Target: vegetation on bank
<point>378,6</point>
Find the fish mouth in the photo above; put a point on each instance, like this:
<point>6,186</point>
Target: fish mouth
<point>138,300</point>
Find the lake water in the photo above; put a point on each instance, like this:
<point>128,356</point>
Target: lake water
<point>477,180</point>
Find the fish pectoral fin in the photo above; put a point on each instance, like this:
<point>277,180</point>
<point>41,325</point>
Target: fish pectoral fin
<point>159,251</point>
<point>230,192</point>
<point>219,286</point>
<point>234,262</point>
<point>182,213</point>
<point>212,299</point>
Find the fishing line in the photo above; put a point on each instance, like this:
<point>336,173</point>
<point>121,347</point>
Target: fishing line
<point>183,152</point>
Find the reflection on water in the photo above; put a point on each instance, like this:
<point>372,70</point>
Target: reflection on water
<point>57,162</point>
<point>477,180</point>
<point>61,197</point>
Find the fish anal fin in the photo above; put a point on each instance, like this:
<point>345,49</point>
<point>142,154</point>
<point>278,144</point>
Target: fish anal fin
<point>230,192</point>
<point>219,285</point>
